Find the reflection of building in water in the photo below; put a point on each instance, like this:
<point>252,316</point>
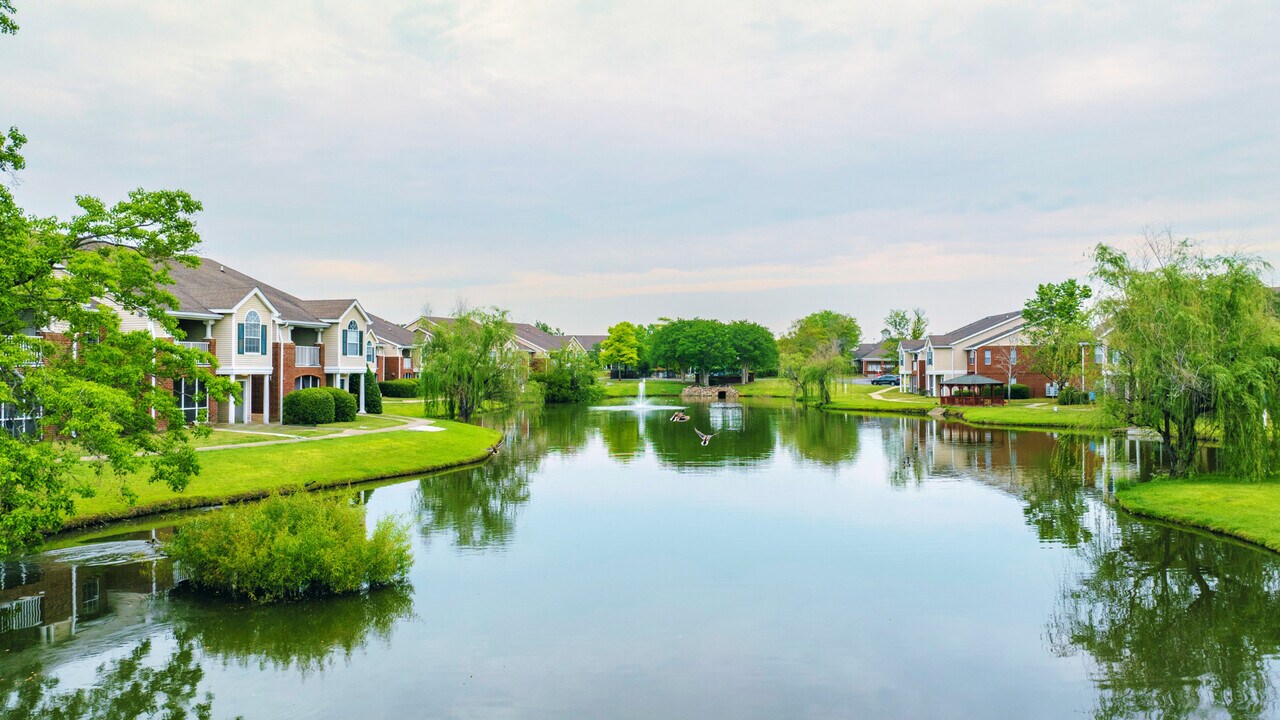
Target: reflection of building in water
<point>46,599</point>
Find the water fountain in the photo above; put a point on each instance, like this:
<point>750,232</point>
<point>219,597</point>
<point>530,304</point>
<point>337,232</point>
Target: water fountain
<point>640,405</point>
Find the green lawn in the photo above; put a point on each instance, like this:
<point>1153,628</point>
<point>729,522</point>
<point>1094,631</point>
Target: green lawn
<point>652,388</point>
<point>858,397</point>
<point>249,472</point>
<point>1017,412</point>
<point>1243,509</point>
<point>230,437</point>
<point>765,387</point>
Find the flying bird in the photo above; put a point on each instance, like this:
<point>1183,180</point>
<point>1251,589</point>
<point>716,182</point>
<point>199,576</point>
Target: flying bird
<point>706,439</point>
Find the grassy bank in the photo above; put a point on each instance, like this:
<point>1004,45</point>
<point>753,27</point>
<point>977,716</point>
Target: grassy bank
<point>250,472</point>
<point>859,397</point>
<point>1019,413</point>
<point>1246,510</point>
<point>652,388</point>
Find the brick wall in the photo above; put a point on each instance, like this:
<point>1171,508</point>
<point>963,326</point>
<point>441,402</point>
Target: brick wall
<point>997,368</point>
<point>287,374</point>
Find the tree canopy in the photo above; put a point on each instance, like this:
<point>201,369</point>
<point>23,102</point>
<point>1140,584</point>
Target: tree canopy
<point>816,350</point>
<point>621,347</point>
<point>104,392</point>
<point>754,345</point>
<point>699,345</point>
<point>469,362</point>
<point>900,325</point>
<point>1058,322</point>
<point>1198,346</point>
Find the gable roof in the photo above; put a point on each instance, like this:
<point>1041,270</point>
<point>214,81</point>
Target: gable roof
<point>911,345</point>
<point>539,340</point>
<point>870,351</point>
<point>972,329</point>
<point>392,333</point>
<point>212,285</point>
<point>333,310</point>
<point>590,341</point>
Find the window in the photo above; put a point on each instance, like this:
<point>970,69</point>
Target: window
<point>351,340</point>
<point>1115,356</point>
<point>1013,356</point>
<point>17,420</point>
<point>306,381</point>
<point>930,356</point>
<point>1099,354</point>
<point>973,357</point>
<point>191,400</point>
<point>368,351</point>
<point>986,357</point>
<point>251,334</point>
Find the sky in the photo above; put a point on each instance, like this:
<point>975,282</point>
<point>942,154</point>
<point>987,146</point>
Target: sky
<point>587,162</point>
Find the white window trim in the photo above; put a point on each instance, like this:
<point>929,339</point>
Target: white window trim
<point>199,399</point>
<point>254,337</point>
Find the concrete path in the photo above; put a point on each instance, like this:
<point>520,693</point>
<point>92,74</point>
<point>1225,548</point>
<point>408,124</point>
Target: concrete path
<point>879,395</point>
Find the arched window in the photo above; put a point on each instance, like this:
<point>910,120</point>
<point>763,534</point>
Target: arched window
<point>368,351</point>
<point>351,340</point>
<point>251,334</point>
<point>306,381</point>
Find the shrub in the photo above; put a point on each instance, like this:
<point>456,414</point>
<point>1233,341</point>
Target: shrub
<point>372,395</point>
<point>402,388</point>
<point>344,404</point>
<point>1071,396</point>
<point>1018,391</point>
<point>290,547</point>
<point>313,406</point>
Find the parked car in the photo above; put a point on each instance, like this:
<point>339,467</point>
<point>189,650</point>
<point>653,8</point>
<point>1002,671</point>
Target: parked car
<point>885,380</point>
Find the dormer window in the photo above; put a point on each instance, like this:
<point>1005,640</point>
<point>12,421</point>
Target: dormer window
<point>251,337</point>
<point>351,340</point>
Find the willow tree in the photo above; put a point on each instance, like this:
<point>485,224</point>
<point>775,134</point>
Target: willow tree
<point>1198,343</point>
<point>816,350</point>
<point>469,362</point>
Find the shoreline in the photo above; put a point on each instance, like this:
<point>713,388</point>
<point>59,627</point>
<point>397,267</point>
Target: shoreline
<point>1242,510</point>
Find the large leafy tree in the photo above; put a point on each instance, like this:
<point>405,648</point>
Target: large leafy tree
<point>816,350</point>
<point>1198,342</point>
<point>1057,324</point>
<point>570,377</point>
<point>900,325</point>
<point>754,345</point>
<point>470,362</point>
<point>699,345</point>
<point>104,392</point>
<point>621,349</point>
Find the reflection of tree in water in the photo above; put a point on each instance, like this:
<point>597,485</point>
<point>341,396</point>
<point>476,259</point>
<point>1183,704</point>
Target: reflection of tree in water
<point>129,687</point>
<point>820,437</point>
<point>904,445</point>
<point>620,432</point>
<point>285,636</point>
<point>749,435</point>
<point>1174,621</point>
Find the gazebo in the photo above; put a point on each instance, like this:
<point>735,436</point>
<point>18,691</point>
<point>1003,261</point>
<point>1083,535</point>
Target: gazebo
<point>973,390</point>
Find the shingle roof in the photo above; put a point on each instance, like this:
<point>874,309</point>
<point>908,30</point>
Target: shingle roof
<point>214,286</point>
<point>391,332</point>
<point>538,338</point>
<point>911,345</point>
<point>973,328</point>
<point>328,309</point>
<point>971,380</point>
<point>590,341</point>
<point>870,351</point>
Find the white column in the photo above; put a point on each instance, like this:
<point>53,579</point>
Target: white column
<point>248,399</point>
<point>362,376</point>
<point>266,399</point>
<point>208,329</point>
<point>231,407</point>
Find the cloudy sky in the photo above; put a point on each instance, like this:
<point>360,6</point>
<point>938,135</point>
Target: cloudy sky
<point>586,162</point>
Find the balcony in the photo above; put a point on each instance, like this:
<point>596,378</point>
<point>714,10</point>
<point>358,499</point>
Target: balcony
<point>31,346</point>
<point>306,356</point>
<point>191,345</point>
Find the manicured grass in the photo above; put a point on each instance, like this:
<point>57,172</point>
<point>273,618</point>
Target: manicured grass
<point>765,387</point>
<point>858,397</point>
<point>362,422</point>
<point>250,472</point>
<point>1243,509</point>
<point>230,437</point>
<point>1083,417</point>
<point>652,388</point>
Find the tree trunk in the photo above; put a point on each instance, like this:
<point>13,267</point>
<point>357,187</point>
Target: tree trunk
<point>746,374</point>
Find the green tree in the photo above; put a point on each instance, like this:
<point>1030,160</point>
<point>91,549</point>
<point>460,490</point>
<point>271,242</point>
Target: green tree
<point>622,348</point>
<point>1199,347</point>
<point>816,350</point>
<point>570,377</point>
<point>900,325</point>
<point>1057,323</point>
<point>373,394</point>
<point>106,393</point>
<point>754,345</point>
<point>699,345</point>
<point>470,362</point>
<point>547,328</point>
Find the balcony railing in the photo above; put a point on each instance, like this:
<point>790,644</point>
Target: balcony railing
<point>195,345</point>
<point>306,356</point>
<point>21,614</point>
<point>37,353</point>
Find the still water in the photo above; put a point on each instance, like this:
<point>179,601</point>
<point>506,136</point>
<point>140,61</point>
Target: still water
<point>607,565</point>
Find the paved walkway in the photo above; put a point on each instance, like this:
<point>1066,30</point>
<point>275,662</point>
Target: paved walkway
<point>879,395</point>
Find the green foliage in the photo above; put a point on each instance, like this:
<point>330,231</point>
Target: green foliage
<point>1068,395</point>
<point>1018,391</point>
<point>754,345</point>
<point>816,350</point>
<point>569,378</point>
<point>1199,347</point>
<point>899,326</point>
<point>289,547</point>
<point>106,398</point>
<point>547,328</point>
<point>470,362</point>
<point>1057,323</point>
<point>312,406</point>
<point>345,406</point>
<point>402,388</point>
<point>622,347</point>
<point>372,394</point>
<point>702,346</point>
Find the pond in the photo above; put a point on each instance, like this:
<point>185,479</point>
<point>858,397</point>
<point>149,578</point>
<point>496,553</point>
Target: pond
<point>607,564</point>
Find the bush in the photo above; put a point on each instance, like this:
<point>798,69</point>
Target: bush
<point>1018,391</point>
<point>569,378</point>
<point>372,395</point>
<point>1071,396</point>
<point>344,404</point>
<point>290,547</point>
<point>402,388</point>
<point>313,406</point>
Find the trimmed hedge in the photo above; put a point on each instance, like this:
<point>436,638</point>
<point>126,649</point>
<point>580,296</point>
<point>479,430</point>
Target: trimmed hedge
<point>1018,391</point>
<point>372,395</point>
<point>1071,396</point>
<point>313,406</point>
<point>402,388</point>
<point>344,404</point>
